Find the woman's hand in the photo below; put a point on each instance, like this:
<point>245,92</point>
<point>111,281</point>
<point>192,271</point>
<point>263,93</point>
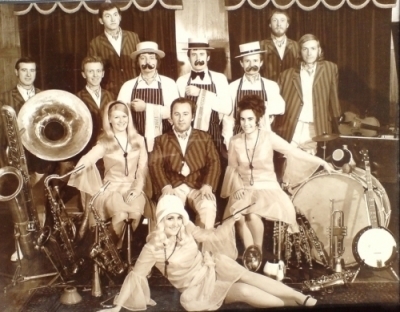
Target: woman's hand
<point>131,195</point>
<point>239,194</point>
<point>329,168</point>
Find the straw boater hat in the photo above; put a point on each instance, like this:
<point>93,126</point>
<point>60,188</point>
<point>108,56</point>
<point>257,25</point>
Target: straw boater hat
<point>199,44</point>
<point>170,204</point>
<point>249,48</point>
<point>147,47</point>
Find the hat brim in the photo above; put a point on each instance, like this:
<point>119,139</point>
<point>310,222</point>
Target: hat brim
<point>251,53</point>
<point>160,53</point>
<point>198,48</point>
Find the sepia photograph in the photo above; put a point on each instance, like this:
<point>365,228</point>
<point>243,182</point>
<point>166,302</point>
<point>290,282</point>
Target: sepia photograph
<point>199,155</point>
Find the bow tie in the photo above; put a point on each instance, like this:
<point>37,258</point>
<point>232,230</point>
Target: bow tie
<point>183,135</point>
<point>194,74</point>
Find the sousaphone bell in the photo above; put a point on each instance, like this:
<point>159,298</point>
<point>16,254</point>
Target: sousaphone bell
<point>55,125</point>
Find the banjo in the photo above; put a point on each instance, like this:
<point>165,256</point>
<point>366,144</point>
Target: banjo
<point>374,245</point>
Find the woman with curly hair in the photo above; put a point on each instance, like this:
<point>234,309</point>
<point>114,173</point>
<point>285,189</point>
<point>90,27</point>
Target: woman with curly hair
<point>124,154</point>
<point>250,176</point>
<point>205,280</point>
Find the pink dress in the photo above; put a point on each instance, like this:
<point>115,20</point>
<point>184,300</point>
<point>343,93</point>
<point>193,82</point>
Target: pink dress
<point>203,279</point>
<point>270,201</point>
<point>88,180</point>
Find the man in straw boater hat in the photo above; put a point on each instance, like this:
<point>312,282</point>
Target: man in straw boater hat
<point>252,83</point>
<point>208,89</point>
<point>150,94</point>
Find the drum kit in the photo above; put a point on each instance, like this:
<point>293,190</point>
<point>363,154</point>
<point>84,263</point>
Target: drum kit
<point>344,217</point>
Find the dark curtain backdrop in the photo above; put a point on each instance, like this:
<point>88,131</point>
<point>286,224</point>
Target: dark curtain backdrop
<point>60,41</point>
<point>357,41</point>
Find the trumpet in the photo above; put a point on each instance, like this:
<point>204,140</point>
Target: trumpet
<point>337,232</point>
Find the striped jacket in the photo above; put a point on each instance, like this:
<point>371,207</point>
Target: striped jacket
<point>166,160</point>
<point>118,69</point>
<point>14,99</point>
<point>326,104</point>
<point>273,64</point>
<point>95,112</point>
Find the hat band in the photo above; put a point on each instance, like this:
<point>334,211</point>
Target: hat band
<point>198,45</point>
<point>250,51</point>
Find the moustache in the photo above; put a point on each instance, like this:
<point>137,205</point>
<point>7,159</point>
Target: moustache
<point>254,67</point>
<point>148,66</point>
<point>199,63</point>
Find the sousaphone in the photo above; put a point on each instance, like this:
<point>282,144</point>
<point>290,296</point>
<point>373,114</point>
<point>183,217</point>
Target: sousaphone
<point>55,125</point>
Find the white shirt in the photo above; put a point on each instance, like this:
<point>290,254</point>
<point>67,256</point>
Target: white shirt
<point>307,81</point>
<point>183,142</point>
<point>26,94</point>
<point>281,49</point>
<point>97,99</point>
<point>220,101</point>
<point>116,43</point>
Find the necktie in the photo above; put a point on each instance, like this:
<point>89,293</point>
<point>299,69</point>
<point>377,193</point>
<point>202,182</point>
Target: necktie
<point>280,42</point>
<point>194,74</point>
<point>183,135</point>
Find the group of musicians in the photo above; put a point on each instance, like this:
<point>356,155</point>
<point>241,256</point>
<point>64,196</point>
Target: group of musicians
<point>198,139</point>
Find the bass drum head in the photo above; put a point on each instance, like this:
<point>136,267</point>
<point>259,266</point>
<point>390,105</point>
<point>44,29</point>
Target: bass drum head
<point>314,196</point>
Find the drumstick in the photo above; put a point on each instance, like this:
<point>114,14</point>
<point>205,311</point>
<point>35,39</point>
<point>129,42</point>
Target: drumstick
<point>218,223</point>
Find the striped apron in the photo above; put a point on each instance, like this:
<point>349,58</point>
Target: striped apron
<point>239,95</point>
<point>215,127</point>
<point>153,96</point>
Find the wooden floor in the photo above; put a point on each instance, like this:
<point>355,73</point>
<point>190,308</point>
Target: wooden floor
<point>371,288</point>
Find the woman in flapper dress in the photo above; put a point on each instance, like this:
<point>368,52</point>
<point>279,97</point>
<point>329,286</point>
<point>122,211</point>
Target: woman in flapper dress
<point>250,176</point>
<point>125,162</point>
<point>205,280</point>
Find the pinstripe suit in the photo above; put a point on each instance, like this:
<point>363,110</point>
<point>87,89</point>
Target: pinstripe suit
<point>14,99</point>
<point>165,164</point>
<point>118,69</point>
<point>201,156</point>
<point>273,64</point>
<point>87,98</point>
<point>326,106</point>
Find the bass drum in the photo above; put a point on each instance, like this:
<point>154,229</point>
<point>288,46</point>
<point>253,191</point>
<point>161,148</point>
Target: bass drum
<point>314,196</point>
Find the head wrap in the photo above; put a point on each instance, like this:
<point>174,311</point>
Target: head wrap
<point>170,204</point>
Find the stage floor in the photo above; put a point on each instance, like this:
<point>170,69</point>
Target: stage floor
<point>371,289</point>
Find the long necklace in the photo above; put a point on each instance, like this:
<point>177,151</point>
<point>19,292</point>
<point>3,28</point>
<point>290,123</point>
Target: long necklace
<point>125,154</point>
<point>252,156</point>
<point>166,262</point>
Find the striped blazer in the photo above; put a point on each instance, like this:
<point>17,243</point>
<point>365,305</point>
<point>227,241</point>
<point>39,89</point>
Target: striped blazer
<point>273,64</point>
<point>118,68</point>
<point>95,112</point>
<point>14,99</point>
<point>166,160</point>
<point>326,104</point>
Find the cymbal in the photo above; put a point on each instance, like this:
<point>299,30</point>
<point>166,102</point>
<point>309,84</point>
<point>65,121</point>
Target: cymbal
<point>325,137</point>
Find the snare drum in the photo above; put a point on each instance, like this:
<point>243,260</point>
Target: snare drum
<point>314,196</point>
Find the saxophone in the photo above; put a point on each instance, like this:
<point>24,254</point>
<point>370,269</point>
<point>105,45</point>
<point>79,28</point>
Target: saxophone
<point>335,279</point>
<point>103,252</point>
<point>313,238</point>
<point>23,210</point>
<point>64,229</point>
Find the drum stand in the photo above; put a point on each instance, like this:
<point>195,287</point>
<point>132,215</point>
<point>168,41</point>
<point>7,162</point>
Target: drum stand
<point>18,277</point>
<point>390,268</point>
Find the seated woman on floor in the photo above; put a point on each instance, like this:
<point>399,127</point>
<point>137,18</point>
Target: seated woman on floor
<point>250,176</point>
<point>125,162</point>
<point>205,280</point>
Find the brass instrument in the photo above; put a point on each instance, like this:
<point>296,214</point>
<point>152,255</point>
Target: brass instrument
<point>103,252</point>
<point>313,238</point>
<point>25,216</point>
<point>337,232</point>
<point>57,125</point>
<point>325,281</point>
<point>64,229</point>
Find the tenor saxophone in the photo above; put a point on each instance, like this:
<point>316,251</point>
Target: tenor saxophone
<point>103,252</point>
<point>64,229</point>
<point>23,210</point>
